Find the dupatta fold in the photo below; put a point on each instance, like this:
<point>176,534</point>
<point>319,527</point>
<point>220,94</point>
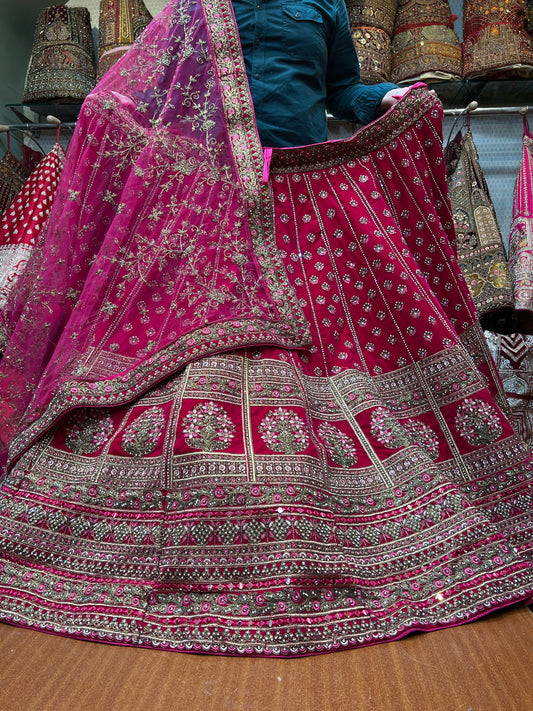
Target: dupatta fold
<point>159,247</point>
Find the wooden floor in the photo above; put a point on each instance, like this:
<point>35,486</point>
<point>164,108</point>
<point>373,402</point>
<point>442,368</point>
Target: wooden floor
<point>483,666</point>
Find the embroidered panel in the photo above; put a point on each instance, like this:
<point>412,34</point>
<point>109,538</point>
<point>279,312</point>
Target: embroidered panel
<point>194,548</point>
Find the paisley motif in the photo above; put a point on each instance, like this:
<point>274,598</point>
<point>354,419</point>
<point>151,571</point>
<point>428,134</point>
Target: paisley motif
<point>340,447</point>
<point>87,431</point>
<point>143,435</point>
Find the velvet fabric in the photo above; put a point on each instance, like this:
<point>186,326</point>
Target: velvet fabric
<point>261,416</point>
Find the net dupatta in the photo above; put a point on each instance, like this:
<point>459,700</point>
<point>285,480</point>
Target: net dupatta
<point>159,248</point>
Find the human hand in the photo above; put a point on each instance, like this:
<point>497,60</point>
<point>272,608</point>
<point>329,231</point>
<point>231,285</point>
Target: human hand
<point>394,95</point>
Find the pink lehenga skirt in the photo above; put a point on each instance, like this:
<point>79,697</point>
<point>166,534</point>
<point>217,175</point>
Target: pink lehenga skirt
<point>320,458</point>
<point>273,501</point>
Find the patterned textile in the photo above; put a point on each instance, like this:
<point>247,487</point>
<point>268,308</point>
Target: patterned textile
<point>374,52</point>
<point>521,237</point>
<point>495,41</point>
<point>13,174</point>
<point>29,157</point>
<point>432,52</point>
<point>372,13</point>
<point>513,355</point>
<point>23,220</point>
<point>62,64</point>
<point>371,26</point>
<point>482,13</point>
<point>481,253</point>
<point>416,13</point>
<point>120,23</point>
<point>341,476</point>
<point>424,43</point>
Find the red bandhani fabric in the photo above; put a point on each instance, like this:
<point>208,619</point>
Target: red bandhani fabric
<point>24,218</point>
<point>261,416</point>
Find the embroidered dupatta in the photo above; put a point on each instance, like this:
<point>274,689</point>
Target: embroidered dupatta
<point>159,247</point>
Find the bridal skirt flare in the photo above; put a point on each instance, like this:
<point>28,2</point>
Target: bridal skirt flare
<point>262,496</point>
<point>275,501</point>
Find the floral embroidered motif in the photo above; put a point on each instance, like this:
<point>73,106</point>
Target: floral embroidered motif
<point>339,446</point>
<point>475,283</point>
<point>387,430</point>
<point>142,436</point>
<point>424,436</point>
<point>498,275</point>
<point>88,430</point>
<point>208,427</point>
<point>283,431</point>
<point>478,422</point>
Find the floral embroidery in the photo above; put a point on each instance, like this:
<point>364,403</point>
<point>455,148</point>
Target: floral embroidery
<point>387,430</point>
<point>208,427</point>
<point>88,430</point>
<point>475,284</point>
<point>283,431</point>
<point>142,436</point>
<point>339,446</point>
<point>423,436</point>
<point>478,422</point>
<point>499,276</point>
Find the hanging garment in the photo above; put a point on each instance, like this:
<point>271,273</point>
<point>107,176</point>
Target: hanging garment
<point>480,249</point>
<point>13,174</point>
<point>495,42</point>
<point>513,355</point>
<point>248,405</point>
<point>62,64</point>
<point>23,220</point>
<point>30,158</point>
<point>120,23</point>
<point>424,43</point>
<point>521,238</point>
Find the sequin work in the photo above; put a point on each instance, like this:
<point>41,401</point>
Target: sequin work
<point>278,499</point>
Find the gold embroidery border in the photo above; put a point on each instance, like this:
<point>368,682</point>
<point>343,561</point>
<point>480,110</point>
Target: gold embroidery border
<point>412,107</point>
<point>248,156</point>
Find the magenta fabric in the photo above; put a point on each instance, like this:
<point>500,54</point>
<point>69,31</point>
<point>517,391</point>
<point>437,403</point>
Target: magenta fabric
<point>161,179</point>
<point>521,235</point>
<point>265,421</point>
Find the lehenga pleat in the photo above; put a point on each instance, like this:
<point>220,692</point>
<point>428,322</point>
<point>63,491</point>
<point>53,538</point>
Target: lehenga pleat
<point>287,500</point>
<point>521,238</point>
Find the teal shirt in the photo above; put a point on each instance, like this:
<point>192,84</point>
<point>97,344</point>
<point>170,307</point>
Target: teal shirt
<point>301,61</point>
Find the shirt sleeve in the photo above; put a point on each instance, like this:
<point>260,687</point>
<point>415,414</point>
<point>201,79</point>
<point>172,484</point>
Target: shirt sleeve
<point>347,97</point>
